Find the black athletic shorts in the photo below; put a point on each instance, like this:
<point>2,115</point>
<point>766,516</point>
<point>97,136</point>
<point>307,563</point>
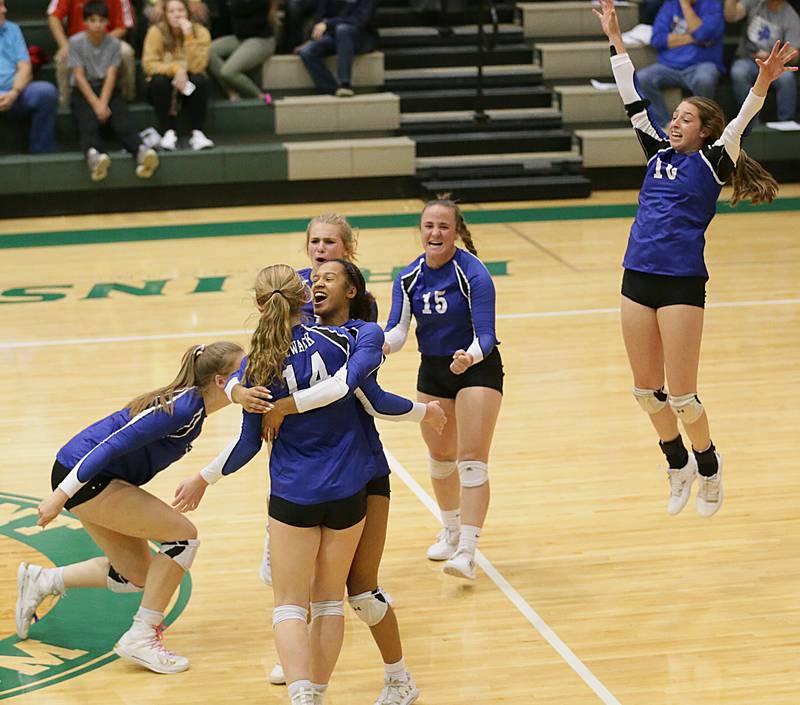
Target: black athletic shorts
<point>91,489</point>
<point>379,486</point>
<point>657,290</point>
<point>338,514</point>
<point>435,379</point>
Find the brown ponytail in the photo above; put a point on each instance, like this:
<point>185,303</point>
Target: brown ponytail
<point>753,181</point>
<point>443,199</point>
<point>750,180</point>
<point>199,364</point>
<point>279,295</point>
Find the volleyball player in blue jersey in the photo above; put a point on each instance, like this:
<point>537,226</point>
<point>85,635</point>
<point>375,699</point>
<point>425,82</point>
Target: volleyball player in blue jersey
<point>663,286</point>
<point>341,299</point>
<point>451,295</point>
<point>320,464</point>
<point>98,476</point>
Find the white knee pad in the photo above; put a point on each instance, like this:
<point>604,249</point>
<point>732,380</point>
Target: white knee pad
<point>182,552</point>
<point>651,400</point>
<point>282,613</point>
<point>327,608</point>
<point>441,469</point>
<point>473,473</point>
<point>119,583</point>
<point>370,607</point>
<point>687,407</point>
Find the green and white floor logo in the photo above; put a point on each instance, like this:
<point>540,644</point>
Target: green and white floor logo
<point>79,632</point>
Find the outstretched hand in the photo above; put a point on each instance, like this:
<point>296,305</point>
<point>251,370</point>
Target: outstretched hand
<point>608,19</point>
<point>189,492</point>
<point>774,65</point>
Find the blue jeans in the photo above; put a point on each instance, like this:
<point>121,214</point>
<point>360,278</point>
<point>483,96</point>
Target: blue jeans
<point>39,101</point>
<point>743,75</point>
<point>700,80</point>
<point>346,41</point>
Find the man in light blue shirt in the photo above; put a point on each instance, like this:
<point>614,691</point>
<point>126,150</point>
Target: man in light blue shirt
<point>20,97</point>
<point>687,34</point>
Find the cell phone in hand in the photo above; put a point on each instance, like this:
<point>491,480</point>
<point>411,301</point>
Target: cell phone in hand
<point>188,88</point>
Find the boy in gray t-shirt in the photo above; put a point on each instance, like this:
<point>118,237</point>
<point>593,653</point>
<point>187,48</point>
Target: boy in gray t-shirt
<point>768,21</point>
<point>94,59</point>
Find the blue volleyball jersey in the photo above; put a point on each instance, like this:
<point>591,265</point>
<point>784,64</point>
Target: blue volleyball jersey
<point>678,197</point>
<point>361,377</point>
<point>320,456</point>
<point>454,307</point>
<point>136,448</point>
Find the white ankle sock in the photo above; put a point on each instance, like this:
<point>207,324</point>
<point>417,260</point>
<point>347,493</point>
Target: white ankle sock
<point>397,671</point>
<point>451,518</point>
<point>151,617</point>
<point>469,537</point>
<point>320,687</point>
<point>58,579</point>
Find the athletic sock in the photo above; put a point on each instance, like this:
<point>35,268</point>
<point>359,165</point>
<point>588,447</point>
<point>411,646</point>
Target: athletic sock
<point>396,671</point>
<point>675,451</point>
<point>320,687</point>
<point>151,617</point>
<point>451,518</point>
<point>707,464</point>
<point>296,685</point>
<point>469,538</point>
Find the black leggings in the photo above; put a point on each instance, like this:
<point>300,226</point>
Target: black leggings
<point>167,102</point>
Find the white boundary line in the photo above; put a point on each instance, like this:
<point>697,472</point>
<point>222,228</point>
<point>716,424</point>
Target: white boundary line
<point>511,593</point>
<point>16,344</point>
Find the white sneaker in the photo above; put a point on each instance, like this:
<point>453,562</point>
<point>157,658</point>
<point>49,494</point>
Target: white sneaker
<point>680,485</point>
<point>265,569</point>
<point>461,565</point>
<point>34,583</point>
<point>306,696</point>
<point>276,675</point>
<point>143,644</point>
<point>445,546</point>
<point>398,691</point>
<point>169,141</point>
<point>199,141</point>
<point>709,494</point>
<point>146,162</point>
<point>98,163</point>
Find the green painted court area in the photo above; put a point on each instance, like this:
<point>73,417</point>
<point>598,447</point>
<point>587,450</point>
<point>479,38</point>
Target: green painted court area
<point>79,633</point>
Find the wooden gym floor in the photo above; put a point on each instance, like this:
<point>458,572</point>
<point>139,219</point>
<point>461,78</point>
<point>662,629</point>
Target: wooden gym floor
<point>588,591</point>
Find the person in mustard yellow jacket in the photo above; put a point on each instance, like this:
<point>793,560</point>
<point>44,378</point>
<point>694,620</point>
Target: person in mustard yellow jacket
<point>174,59</point>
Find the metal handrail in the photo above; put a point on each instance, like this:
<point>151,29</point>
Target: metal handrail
<point>480,114</point>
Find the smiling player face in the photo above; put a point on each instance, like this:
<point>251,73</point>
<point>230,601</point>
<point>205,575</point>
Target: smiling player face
<point>438,232</point>
<point>686,131</point>
<point>331,292</point>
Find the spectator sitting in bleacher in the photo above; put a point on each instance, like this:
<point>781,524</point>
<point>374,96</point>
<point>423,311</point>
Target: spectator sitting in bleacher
<point>687,35</point>
<point>296,19</point>
<point>21,98</point>
<point>94,58</point>
<point>120,20</point>
<point>175,59</point>
<point>344,28</point>
<point>250,45</point>
<point>768,21</point>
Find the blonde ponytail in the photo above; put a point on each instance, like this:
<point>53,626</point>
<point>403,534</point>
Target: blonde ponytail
<point>199,364</point>
<point>279,294</point>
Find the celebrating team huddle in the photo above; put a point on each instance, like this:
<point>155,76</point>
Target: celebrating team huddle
<point>308,386</point>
